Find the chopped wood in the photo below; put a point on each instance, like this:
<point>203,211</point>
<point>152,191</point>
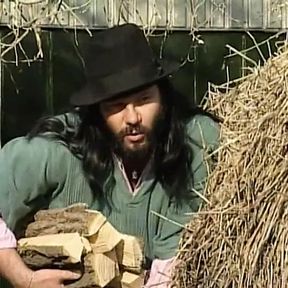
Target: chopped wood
<point>95,220</point>
<point>66,220</point>
<point>64,225</point>
<point>57,213</point>
<point>87,245</point>
<point>68,247</point>
<point>98,251</point>
<point>106,239</point>
<point>106,267</point>
<point>130,280</point>
<point>88,278</point>
<point>130,253</point>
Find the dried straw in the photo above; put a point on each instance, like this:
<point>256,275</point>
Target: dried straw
<point>240,237</point>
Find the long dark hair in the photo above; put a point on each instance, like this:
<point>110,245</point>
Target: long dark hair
<point>85,136</point>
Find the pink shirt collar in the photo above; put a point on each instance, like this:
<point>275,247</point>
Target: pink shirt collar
<point>144,175</point>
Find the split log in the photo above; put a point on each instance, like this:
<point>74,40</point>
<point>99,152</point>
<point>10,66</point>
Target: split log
<point>95,220</point>
<point>54,213</point>
<point>61,251</point>
<point>47,227</point>
<point>72,219</point>
<point>130,280</point>
<point>100,270</point>
<point>129,249</point>
<point>106,239</point>
<point>57,249</point>
<point>87,279</point>
<point>106,267</point>
<point>130,253</point>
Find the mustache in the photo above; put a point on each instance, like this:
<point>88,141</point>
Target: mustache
<point>132,130</point>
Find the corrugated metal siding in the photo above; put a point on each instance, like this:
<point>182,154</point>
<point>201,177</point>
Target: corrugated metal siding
<point>174,14</point>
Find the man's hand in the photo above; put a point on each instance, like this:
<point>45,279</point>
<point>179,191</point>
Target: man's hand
<point>20,276</point>
<point>50,278</point>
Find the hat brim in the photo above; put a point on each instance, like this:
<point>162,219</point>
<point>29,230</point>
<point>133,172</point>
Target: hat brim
<point>127,81</point>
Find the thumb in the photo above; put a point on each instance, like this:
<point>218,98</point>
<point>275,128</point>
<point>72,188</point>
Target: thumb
<point>67,275</point>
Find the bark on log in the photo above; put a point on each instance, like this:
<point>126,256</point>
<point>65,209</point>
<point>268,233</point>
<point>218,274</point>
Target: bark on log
<point>66,220</point>
<point>37,261</point>
<point>88,277</point>
<point>57,212</point>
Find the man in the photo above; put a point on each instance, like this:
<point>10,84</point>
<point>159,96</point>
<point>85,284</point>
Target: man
<point>123,150</point>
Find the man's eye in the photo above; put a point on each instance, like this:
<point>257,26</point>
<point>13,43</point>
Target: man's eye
<point>115,106</point>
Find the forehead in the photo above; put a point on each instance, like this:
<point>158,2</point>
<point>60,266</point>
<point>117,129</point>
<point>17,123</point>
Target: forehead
<point>152,90</point>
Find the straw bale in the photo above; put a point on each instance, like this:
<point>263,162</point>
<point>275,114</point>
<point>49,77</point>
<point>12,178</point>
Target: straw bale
<point>240,237</point>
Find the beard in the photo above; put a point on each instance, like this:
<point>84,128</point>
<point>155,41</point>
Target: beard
<point>137,151</point>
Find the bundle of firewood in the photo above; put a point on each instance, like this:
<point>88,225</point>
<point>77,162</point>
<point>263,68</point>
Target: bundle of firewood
<point>83,241</point>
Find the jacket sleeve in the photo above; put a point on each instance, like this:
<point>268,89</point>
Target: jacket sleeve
<point>204,133</point>
<point>28,174</point>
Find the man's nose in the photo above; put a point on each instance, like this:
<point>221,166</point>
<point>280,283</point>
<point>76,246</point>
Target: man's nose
<point>131,116</point>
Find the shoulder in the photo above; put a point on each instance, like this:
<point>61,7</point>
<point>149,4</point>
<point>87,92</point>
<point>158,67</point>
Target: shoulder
<point>35,144</point>
<point>34,149</point>
<point>50,160</point>
<point>203,130</point>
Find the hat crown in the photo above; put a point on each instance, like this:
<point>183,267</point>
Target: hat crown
<point>119,48</point>
<point>118,61</point>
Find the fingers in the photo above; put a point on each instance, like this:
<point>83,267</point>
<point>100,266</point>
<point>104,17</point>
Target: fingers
<point>67,275</point>
<point>50,278</point>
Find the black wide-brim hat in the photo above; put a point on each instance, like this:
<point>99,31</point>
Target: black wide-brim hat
<point>119,61</point>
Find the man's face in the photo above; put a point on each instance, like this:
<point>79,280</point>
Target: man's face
<point>132,119</point>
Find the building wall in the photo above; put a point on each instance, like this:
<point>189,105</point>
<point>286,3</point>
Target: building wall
<point>174,14</point>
